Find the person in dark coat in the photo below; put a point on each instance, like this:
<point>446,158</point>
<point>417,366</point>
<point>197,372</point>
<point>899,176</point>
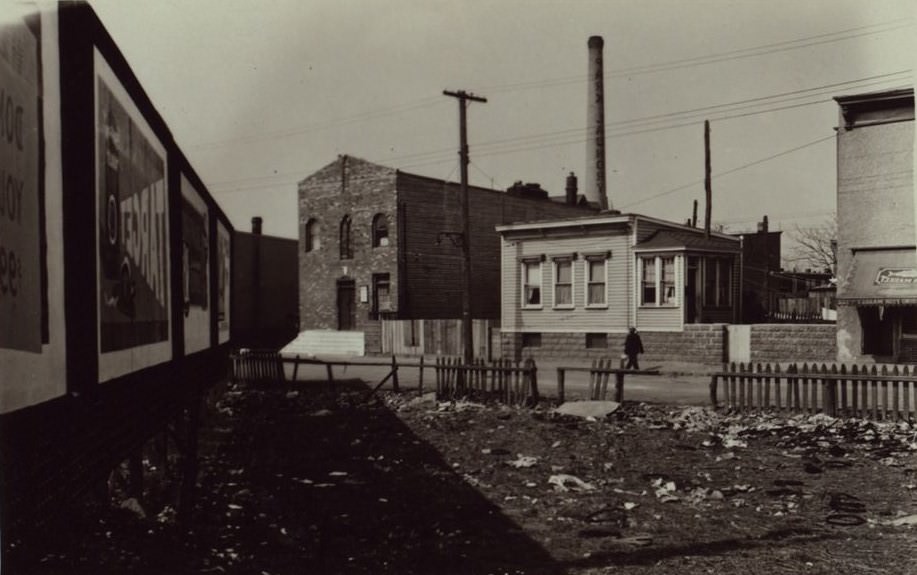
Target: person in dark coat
<point>632,346</point>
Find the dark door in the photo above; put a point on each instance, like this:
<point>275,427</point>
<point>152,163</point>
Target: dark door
<point>691,291</point>
<point>347,312</point>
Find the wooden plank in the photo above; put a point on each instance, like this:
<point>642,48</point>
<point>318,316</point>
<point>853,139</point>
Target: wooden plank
<point>885,406</point>
<point>759,387</point>
<point>907,396</point>
<point>560,384</point>
<point>777,379</point>
<point>767,385</point>
<point>874,384</point>
<point>896,407</point>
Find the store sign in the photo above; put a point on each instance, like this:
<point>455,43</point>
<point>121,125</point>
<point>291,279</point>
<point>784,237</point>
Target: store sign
<point>20,225</point>
<point>896,276</point>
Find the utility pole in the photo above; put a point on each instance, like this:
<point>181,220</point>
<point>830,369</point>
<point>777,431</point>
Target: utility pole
<point>467,335</point>
<point>707,187</point>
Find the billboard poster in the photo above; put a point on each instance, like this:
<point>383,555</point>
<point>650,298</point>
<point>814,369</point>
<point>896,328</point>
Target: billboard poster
<point>20,193</point>
<point>195,268</point>
<point>133,231</point>
<point>224,254</point>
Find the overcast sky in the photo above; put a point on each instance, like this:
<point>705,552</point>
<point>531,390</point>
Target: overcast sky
<point>261,94</point>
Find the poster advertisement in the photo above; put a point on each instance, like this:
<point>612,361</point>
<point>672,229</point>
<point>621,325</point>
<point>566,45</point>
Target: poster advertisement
<point>20,204</point>
<point>224,253</point>
<point>195,268</point>
<point>133,232</point>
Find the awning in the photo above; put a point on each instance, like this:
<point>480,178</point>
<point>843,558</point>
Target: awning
<point>880,277</point>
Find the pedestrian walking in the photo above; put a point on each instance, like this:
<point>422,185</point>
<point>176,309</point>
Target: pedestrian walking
<point>632,347</point>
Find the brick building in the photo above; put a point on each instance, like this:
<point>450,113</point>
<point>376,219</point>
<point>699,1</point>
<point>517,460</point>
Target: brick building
<point>380,255</point>
<point>876,264</point>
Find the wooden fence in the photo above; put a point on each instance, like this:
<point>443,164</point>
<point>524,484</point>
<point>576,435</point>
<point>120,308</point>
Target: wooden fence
<point>256,366</point>
<point>512,382</point>
<point>855,391</point>
<point>599,374</point>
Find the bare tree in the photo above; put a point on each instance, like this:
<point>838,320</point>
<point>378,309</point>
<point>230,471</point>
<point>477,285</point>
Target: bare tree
<point>815,246</point>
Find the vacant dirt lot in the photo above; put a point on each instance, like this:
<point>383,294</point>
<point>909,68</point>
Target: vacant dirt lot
<point>300,480</point>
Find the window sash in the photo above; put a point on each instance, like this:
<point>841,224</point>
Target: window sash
<point>595,282</point>
<point>563,283</point>
<point>667,281</point>
<point>531,284</point>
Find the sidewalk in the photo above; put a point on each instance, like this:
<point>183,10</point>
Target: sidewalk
<point>678,382</point>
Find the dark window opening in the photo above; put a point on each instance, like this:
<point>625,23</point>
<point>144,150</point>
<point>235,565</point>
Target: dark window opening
<point>346,247</point>
<point>380,231</point>
<point>596,341</point>
<point>531,340</point>
<point>311,235</point>
<point>382,295</point>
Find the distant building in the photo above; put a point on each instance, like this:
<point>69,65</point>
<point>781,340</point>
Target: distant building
<point>876,259</point>
<point>265,283</point>
<point>573,287</point>
<point>380,255</point>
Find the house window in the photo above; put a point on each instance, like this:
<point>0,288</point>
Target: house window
<point>346,247</point>
<point>595,281</point>
<point>717,282</point>
<point>382,295</point>
<point>667,281</point>
<point>563,283</point>
<point>311,234</point>
<point>596,341</point>
<point>531,284</point>
<point>531,340</point>
<point>380,231</point>
<point>648,281</point>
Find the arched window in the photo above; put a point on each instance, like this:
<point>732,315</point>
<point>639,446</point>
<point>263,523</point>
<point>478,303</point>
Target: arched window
<point>346,247</point>
<point>312,236</point>
<point>380,231</point>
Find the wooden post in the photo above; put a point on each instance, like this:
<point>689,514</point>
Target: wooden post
<point>884,392</point>
<point>895,402</point>
<point>420,378</point>
<point>713,379</point>
<point>395,386</point>
<point>875,394</point>
<point>295,367</point>
<point>777,386</point>
<point>560,385</point>
<point>533,381</point>
<point>330,377</point>
<point>619,387</point>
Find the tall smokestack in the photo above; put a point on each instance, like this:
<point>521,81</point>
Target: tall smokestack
<point>595,127</point>
<point>571,189</point>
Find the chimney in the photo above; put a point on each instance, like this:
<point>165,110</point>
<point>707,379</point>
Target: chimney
<point>256,225</point>
<point>571,189</point>
<point>595,127</point>
<point>762,225</point>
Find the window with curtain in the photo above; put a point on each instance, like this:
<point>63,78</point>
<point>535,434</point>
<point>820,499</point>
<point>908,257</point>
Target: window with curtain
<point>563,283</point>
<point>595,281</point>
<point>648,281</point>
<point>531,284</point>
<point>667,280</point>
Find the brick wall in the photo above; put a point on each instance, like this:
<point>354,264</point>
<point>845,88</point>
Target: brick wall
<point>793,342</point>
<point>354,187</point>
<point>702,343</point>
<point>432,265</point>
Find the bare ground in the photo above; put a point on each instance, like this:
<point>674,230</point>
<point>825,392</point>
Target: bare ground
<point>300,480</point>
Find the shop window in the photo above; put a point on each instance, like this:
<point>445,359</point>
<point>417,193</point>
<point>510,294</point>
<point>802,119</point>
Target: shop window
<point>596,341</point>
<point>563,283</point>
<point>345,240</point>
<point>648,281</point>
<point>531,284</point>
<point>595,281</point>
<point>380,231</point>
<point>531,340</point>
<point>909,321</point>
<point>311,234</point>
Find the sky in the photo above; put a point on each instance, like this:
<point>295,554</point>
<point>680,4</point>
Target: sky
<point>261,94</point>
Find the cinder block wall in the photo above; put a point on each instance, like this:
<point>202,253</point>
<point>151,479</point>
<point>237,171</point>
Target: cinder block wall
<point>793,342</point>
<point>701,343</point>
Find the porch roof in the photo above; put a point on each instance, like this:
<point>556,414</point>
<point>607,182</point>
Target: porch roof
<point>678,240</point>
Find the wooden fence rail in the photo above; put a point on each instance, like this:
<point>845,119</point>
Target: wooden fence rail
<point>854,391</point>
<point>598,378</point>
<point>512,382</point>
<point>256,366</point>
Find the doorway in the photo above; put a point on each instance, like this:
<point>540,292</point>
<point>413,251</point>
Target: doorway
<point>346,304</point>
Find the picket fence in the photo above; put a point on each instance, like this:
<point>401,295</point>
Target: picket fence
<point>508,381</point>
<point>842,391</point>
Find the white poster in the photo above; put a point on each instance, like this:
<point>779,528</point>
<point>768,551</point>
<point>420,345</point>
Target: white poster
<point>224,269</point>
<point>196,306</point>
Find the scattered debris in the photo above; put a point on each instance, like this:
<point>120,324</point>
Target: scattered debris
<point>523,461</point>
<point>563,482</point>
<point>587,409</point>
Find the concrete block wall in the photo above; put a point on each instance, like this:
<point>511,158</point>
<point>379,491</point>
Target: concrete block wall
<point>702,344</point>
<point>793,342</point>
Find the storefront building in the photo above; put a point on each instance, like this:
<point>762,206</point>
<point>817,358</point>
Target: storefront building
<point>876,257</point>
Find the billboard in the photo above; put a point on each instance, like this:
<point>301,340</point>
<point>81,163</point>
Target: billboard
<point>21,225</point>
<point>224,271</point>
<point>195,268</point>
<point>133,232</point>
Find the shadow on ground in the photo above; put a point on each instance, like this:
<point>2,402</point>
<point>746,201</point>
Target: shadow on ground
<point>301,480</point>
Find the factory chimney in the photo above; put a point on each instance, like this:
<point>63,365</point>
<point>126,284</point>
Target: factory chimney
<point>595,127</point>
